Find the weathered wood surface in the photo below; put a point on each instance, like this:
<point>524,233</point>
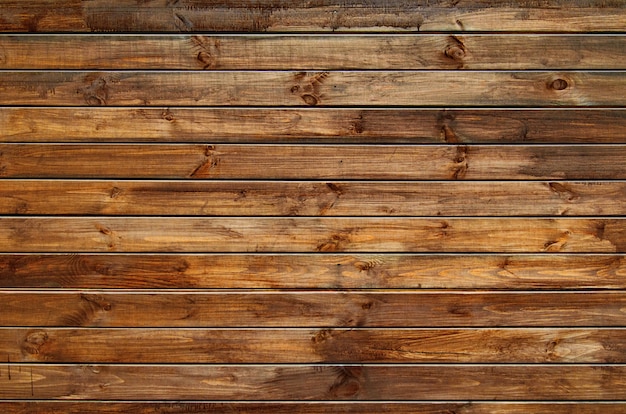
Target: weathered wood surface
<point>225,206</point>
<point>302,162</point>
<point>306,16</point>
<point>292,125</point>
<point>325,88</point>
<point>321,309</point>
<point>321,52</point>
<point>312,198</point>
<point>289,407</point>
<point>317,234</point>
<point>279,346</point>
<point>305,271</point>
<point>313,382</point>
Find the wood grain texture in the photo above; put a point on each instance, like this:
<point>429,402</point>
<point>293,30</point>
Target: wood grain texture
<point>289,407</point>
<point>183,234</point>
<point>292,125</point>
<point>341,88</point>
<point>304,162</point>
<point>313,206</point>
<point>218,382</point>
<point>312,198</point>
<point>310,309</point>
<point>279,346</point>
<point>312,52</point>
<point>301,15</point>
<point>320,271</point>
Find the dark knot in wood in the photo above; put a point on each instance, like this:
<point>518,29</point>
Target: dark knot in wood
<point>559,84</point>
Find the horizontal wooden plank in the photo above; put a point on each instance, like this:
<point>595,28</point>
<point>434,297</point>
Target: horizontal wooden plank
<point>291,125</point>
<point>216,234</point>
<point>303,162</point>
<point>241,382</point>
<point>279,346</point>
<point>312,309</point>
<point>341,88</point>
<point>301,15</point>
<point>301,198</point>
<point>289,407</point>
<point>321,271</point>
<point>313,52</point>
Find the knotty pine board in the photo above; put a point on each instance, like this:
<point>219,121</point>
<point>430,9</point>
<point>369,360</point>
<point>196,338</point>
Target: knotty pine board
<point>306,16</point>
<point>314,382</point>
<point>313,198</point>
<point>321,52</point>
<point>318,88</point>
<point>278,346</point>
<point>314,271</point>
<point>315,162</point>
<point>314,125</point>
<point>289,407</point>
<point>316,234</point>
<point>319,309</point>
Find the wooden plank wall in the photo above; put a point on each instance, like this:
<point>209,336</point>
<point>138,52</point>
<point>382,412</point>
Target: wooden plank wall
<point>272,206</point>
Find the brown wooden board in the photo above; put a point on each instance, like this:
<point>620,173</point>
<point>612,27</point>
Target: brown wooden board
<point>287,407</point>
<point>313,52</point>
<point>313,382</point>
<point>302,162</point>
<point>312,198</point>
<point>313,271</point>
<point>317,234</point>
<point>303,16</point>
<point>312,309</point>
<point>294,125</point>
<point>279,346</point>
<point>320,88</point>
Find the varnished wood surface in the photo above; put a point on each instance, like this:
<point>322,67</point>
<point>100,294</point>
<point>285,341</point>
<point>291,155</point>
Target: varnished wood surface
<point>297,88</point>
<point>315,309</point>
<point>311,382</point>
<point>278,346</point>
<point>197,234</point>
<point>293,125</point>
<point>301,15</point>
<point>306,271</point>
<point>328,162</point>
<point>286,407</point>
<point>312,198</point>
<point>321,52</point>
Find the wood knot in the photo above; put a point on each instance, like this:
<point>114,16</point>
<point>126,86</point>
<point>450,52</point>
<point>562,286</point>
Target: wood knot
<point>309,99</point>
<point>96,302</point>
<point>347,383</point>
<point>455,49</point>
<point>356,126</point>
<point>114,193</point>
<point>208,51</point>
<point>558,84</point>
<point>337,242</point>
<point>97,93</point>
<point>322,336</point>
<point>167,115</point>
<point>33,342</point>
<point>460,165</point>
<point>454,52</point>
<point>309,86</point>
